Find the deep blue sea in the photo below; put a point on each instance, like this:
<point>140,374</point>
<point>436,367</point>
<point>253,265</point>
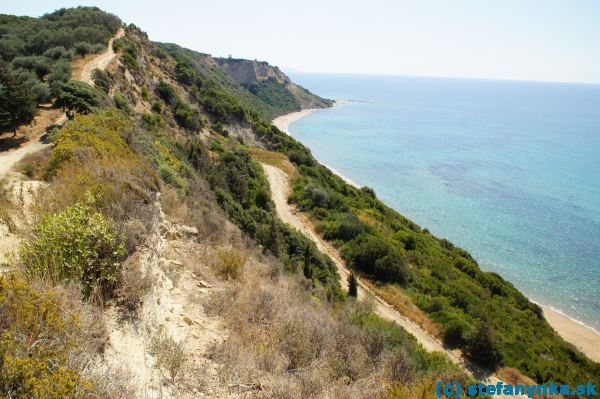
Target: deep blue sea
<point>508,170</point>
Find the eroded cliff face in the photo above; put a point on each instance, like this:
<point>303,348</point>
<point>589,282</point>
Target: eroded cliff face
<point>252,74</point>
<point>247,71</point>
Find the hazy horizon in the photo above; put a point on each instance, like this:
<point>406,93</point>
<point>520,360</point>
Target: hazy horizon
<point>537,40</point>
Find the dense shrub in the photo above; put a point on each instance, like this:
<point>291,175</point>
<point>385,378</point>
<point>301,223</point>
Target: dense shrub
<point>121,102</point>
<point>91,157</point>
<point>59,75</point>
<point>82,48</point>
<point>76,244</point>
<point>165,91</point>
<point>30,82</point>
<point>300,158</point>
<point>80,98</point>
<point>40,65</point>
<point>392,267</point>
<point>57,53</point>
<point>365,252</point>
<point>17,101</point>
<point>346,227</point>
<point>102,80</point>
<point>482,348</point>
<point>38,342</point>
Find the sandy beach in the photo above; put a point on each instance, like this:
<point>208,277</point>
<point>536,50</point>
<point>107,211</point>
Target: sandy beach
<point>283,122</point>
<point>584,338</point>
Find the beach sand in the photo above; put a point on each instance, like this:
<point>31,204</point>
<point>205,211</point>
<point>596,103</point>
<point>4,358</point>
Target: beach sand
<point>584,338</point>
<point>283,122</point>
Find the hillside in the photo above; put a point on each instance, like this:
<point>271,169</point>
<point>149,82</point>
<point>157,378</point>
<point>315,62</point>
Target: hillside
<point>152,261</point>
<point>271,85</point>
<point>257,86</point>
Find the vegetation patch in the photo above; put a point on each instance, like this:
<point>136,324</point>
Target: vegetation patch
<point>76,244</point>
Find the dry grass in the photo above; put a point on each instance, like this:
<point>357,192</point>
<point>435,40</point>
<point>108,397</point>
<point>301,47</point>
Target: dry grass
<point>132,285</point>
<point>230,262</point>
<point>396,297</point>
<point>199,209</point>
<point>170,355</point>
<point>7,209</point>
<point>274,158</point>
<point>284,339</point>
<point>34,165</point>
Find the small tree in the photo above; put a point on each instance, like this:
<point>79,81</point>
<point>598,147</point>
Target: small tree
<point>17,101</point>
<point>274,244</point>
<point>481,347</point>
<point>352,286</point>
<point>307,270</point>
<point>80,98</point>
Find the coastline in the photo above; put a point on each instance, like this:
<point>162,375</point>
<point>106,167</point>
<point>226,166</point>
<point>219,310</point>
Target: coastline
<point>580,335</point>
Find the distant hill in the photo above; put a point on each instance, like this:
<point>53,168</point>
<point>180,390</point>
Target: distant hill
<point>270,84</point>
<point>262,88</point>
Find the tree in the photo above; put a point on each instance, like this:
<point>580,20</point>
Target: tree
<point>307,270</point>
<point>352,286</point>
<point>482,348</point>
<point>392,267</point>
<point>17,102</point>
<point>274,244</point>
<point>80,97</point>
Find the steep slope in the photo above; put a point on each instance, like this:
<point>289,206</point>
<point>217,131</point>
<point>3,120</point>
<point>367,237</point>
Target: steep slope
<point>271,85</point>
<point>217,296</point>
<point>258,86</point>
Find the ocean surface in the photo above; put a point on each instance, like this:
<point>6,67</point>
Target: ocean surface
<point>508,170</point>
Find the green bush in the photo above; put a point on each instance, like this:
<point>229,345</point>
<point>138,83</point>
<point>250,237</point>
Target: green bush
<point>392,268</point>
<point>165,91</point>
<point>153,121</point>
<point>57,53</point>
<point>121,102</point>
<point>130,61</point>
<point>482,348</point>
<point>365,251</point>
<point>454,332</point>
<point>83,48</point>
<point>17,101</point>
<point>156,107</point>
<point>101,80</point>
<point>80,98</point>
<point>59,75</point>
<point>76,244</point>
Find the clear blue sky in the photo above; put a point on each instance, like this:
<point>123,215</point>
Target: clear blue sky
<point>552,40</point>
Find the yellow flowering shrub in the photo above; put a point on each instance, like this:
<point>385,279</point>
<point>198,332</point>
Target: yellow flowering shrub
<point>36,340</point>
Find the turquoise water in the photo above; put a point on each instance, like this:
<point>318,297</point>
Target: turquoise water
<point>508,170</point>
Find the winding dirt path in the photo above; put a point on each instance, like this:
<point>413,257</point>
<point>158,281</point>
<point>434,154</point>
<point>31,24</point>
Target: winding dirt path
<point>101,61</point>
<point>34,143</point>
<point>280,189</point>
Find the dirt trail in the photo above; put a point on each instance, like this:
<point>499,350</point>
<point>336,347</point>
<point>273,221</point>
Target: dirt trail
<point>280,190</point>
<point>101,61</point>
<point>9,158</point>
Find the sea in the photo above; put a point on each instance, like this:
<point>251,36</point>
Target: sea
<point>508,170</point>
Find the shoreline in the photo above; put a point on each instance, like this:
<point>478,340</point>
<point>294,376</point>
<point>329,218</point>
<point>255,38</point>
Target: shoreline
<point>583,337</point>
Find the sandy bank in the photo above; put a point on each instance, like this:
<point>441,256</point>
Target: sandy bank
<point>283,122</point>
<point>585,338</point>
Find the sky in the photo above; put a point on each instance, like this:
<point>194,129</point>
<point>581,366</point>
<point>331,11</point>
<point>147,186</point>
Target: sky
<point>547,40</point>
